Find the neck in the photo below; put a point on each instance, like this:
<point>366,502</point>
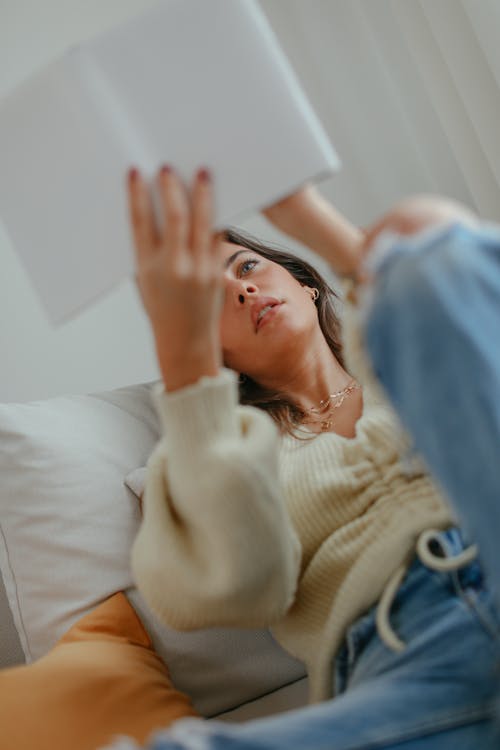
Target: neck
<point>310,379</point>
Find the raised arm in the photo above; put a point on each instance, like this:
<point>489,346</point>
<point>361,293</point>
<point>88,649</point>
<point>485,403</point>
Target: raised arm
<point>216,546</point>
<point>315,222</point>
<point>178,274</point>
<point>312,220</point>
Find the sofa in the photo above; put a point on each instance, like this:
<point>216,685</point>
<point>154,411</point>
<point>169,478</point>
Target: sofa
<point>71,469</point>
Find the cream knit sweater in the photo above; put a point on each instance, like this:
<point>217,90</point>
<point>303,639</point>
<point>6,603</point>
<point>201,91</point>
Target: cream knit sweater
<point>243,527</point>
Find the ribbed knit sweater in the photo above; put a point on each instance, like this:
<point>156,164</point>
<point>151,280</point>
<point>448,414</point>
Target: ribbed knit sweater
<point>245,527</point>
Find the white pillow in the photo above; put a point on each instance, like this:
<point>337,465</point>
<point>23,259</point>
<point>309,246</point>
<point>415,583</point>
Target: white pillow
<point>67,522</point>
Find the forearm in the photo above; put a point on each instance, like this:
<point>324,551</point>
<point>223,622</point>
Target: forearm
<point>188,365</point>
<point>312,220</point>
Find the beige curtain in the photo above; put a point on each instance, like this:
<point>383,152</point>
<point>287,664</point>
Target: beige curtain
<point>409,91</point>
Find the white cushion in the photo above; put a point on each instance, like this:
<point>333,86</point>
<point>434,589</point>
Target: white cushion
<point>67,522</point>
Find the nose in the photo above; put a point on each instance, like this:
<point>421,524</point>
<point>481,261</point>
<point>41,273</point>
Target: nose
<point>241,291</point>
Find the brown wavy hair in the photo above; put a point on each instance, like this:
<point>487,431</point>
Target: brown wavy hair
<point>285,412</point>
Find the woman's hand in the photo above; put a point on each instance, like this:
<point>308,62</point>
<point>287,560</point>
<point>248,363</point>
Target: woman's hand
<point>408,217</point>
<point>312,220</point>
<point>179,274</point>
<point>416,213</point>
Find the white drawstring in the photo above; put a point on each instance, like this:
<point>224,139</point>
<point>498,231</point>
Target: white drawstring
<point>386,633</point>
<point>443,563</point>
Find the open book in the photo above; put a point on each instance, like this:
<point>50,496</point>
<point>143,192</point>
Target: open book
<point>188,82</point>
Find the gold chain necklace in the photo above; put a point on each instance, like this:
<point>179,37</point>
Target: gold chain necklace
<point>326,404</point>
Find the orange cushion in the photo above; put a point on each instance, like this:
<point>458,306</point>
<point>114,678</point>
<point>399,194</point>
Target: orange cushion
<point>101,679</point>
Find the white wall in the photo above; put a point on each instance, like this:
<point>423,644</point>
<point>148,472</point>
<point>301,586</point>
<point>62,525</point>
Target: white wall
<point>402,105</point>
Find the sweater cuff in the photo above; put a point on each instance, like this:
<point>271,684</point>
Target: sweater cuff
<point>199,412</point>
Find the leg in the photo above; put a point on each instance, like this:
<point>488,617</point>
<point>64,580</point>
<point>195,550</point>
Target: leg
<point>431,696</point>
<point>433,333</point>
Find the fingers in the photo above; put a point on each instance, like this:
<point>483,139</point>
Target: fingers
<point>188,236</point>
<point>206,244</point>
<point>144,231</point>
<point>202,216</point>
<point>188,219</point>
<point>371,233</point>
<point>176,212</point>
<point>218,238</point>
<point>416,213</point>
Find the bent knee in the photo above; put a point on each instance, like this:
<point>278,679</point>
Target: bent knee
<point>422,271</point>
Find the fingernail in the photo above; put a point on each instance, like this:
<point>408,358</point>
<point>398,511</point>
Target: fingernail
<point>204,174</point>
<point>165,170</point>
<point>133,174</point>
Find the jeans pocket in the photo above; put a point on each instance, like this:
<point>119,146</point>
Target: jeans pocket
<point>469,582</point>
<point>478,598</point>
<point>356,639</point>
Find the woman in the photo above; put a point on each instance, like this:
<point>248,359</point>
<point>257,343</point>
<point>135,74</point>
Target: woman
<point>344,548</point>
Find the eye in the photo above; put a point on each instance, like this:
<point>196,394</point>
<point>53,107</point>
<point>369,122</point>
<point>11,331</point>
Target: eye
<point>245,264</point>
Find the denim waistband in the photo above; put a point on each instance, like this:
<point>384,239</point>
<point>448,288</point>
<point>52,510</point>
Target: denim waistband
<point>440,550</point>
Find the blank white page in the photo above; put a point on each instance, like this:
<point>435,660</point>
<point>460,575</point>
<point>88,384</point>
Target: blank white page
<point>188,82</point>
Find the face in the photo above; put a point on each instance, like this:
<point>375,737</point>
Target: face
<point>255,345</point>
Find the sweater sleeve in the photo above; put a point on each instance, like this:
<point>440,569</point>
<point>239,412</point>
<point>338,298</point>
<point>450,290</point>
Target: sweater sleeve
<point>216,545</point>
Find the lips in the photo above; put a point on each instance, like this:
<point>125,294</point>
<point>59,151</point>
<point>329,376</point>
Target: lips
<point>259,305</point>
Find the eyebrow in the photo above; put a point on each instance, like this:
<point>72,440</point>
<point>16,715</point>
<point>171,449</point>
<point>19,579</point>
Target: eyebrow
<point>229,260</point>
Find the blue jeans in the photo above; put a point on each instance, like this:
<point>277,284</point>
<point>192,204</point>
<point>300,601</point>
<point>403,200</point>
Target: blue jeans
<point>433,332</point>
